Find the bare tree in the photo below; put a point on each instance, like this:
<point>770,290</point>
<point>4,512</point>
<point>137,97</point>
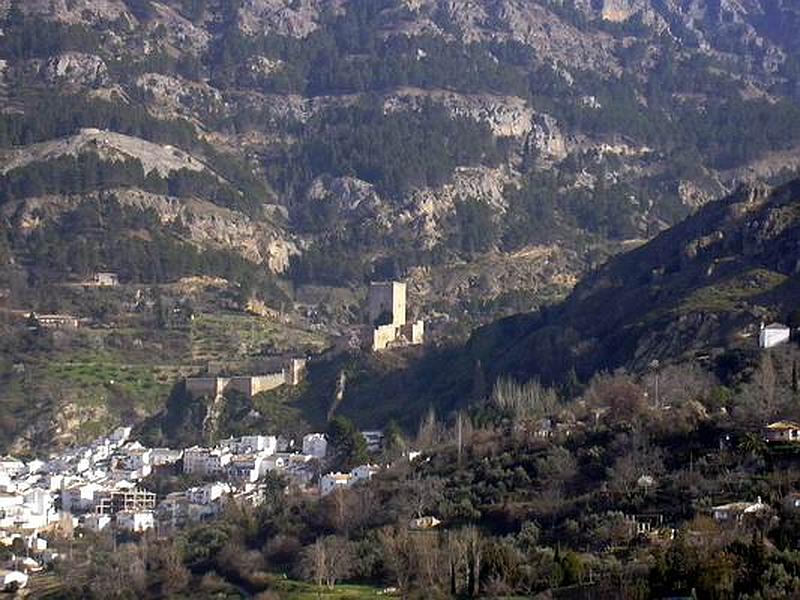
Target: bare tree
<point>616,396</point>
<point>312,563</point>
<point>327,560</point>
<point>424,493</point>
<point>456,554</point>
<point>119,574</point>
<point>675,385</point>
<point>397,550</point>
<point>428,558</point>
<point>473,543</point>
<point>169,559</point>
<point>629,468</point>
<point>338,559</point>
<point>428,434</point>
<point>526,401</point>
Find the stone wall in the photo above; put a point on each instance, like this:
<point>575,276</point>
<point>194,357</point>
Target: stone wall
<point>249,385</point>
<point>264,383</point>
<point>383,337</point>
<point>202,386</point>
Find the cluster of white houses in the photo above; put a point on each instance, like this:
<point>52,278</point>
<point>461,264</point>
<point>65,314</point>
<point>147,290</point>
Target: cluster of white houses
<point>99,485</point>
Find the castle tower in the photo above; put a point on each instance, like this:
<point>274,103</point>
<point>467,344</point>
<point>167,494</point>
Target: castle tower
<point>387,303</point>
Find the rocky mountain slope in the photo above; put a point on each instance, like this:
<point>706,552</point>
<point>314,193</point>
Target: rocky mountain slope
<point>696,293</point>
<point>361,139</point>
<point>700,287</point>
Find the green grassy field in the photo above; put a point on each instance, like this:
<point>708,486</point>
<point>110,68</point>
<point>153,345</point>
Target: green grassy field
<point>99,378</point>
<point>297,590</point>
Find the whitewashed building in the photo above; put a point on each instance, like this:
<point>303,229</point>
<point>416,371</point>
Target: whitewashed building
<point>364,472</point>
<point>136,521</point>
<point>245,467</point>
<point>272,463</point>
<point>332,481</point>
<point>79,498</point>
<point>206,494</point>
<point>738,511</point>
<point>160,457</point>
<point>773,335</point>
<point>315,444</point>
<point>204,461</point>
<point>96,522</point>
<point>12,466</point>
<point>253,444</point>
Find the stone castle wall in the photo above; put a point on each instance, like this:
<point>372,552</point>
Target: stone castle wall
<point>249,385</point>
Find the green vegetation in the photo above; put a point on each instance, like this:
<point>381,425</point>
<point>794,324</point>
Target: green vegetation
<point>347,446</point>
<point>31,37</point>
<point>131,241</point>
<point>51,114</point>
<point>87,173</point>
<point>365,142</point>
<point>298,590</point>
<point>537,490</point>
<point>732,294</point>
<point>352,54</point>
<point>218,336</point>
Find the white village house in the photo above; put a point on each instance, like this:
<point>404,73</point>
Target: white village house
<point>782,432</point>
<point>735,512</point>
<point>331,481</point>
<point>315,444</point>
<point>136,521</point>
<point>205,461</point>
<point>773,335</point>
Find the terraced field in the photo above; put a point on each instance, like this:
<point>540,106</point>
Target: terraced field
<point>230,336</point>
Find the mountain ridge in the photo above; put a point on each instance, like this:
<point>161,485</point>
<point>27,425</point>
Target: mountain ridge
<point>711,278</point>
<point>269,83</point>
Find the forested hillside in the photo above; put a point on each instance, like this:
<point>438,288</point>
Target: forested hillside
<point>370,139</point>
<point>695,295</point>
<point>279,155</point>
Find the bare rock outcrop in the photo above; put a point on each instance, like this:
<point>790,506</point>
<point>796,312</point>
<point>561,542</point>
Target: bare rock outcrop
<point>77,69</point>
<point>172,97</point>
<point>426,210</point>
<point>531,24</point>
<point>77,11</point>
<point>506,116</point>
<point>294,18</point>
<point>547,140</point>
<point>619,11</point>
<point>351,195</point>
<point>108,145</point>
<point>202,222</point>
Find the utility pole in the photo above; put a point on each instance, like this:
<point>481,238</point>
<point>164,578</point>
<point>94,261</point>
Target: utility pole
<point>654,364</point>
